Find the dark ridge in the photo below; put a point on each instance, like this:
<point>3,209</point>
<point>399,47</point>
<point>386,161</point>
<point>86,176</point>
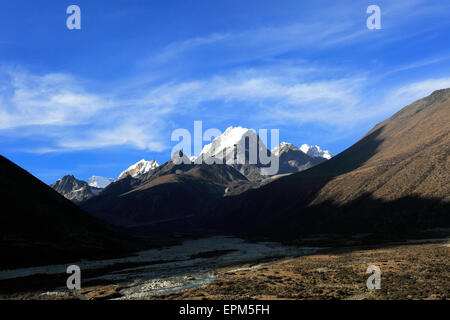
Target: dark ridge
<point>39,226</point>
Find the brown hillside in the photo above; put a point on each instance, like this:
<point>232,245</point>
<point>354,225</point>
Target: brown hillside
<point>412,157</point>
<point>396,176</point>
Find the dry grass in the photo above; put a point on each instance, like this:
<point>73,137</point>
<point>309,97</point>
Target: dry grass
<point>408,272</point>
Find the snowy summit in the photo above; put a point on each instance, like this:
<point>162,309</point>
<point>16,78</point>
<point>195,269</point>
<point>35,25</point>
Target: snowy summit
<point>139,168</point>
<point>231,137</point>
<point>316,151</point>
<point>283,147</point>
<point>99,182</point>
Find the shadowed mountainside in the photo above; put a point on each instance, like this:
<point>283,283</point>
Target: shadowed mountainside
<point>400,169</point>
<point>165,197</point>
<point>39,226</point>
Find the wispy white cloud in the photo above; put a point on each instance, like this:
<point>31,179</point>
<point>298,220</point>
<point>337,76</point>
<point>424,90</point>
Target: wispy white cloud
<point>142,135</point>
<point>71,115</point>
<point>173,50</point>
<point>416,90</point>
<point>277,95</point>
<point>416,64</point>
<point>253,44</point>
<point>331,26</point>
<point>398,97</point>
<point>51,99</point>
<point>58,108</point>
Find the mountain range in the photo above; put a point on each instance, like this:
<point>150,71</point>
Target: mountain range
<point>79,191</point>
<point>291,159</point>
<point>150,195</point>
<point>396,178</point>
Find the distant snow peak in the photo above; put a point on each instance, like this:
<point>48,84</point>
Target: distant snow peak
<point>99,182</point>
<point>283,147</point>
<point>312,151</point>
<point>141,167</point>
<point>316,151</point>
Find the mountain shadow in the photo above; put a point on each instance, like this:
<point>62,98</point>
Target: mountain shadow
<point>39,226</point>
<point>365,214</point>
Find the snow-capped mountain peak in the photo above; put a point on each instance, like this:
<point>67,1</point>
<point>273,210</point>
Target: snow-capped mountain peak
<point>316,151</point>
<point>226,141</point>
<point>99,182</point>
<point>283,147</point>
<point>141,167</point>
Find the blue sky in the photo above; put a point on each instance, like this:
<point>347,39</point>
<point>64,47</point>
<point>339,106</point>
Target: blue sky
<point>96,100</point>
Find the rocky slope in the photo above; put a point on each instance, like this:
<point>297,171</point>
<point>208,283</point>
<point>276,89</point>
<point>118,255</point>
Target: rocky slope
<point>74,189</point>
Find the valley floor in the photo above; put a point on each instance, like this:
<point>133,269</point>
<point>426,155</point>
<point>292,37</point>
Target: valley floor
<point>419,271</point>
<point>414,270</point>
